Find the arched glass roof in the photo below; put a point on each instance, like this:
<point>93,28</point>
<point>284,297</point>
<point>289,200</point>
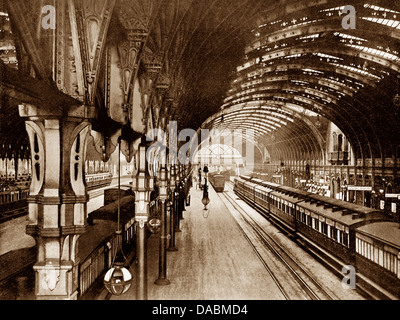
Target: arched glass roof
<point>302,66</point>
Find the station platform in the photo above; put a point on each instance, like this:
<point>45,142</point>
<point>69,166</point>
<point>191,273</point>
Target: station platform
<point>213,262</point>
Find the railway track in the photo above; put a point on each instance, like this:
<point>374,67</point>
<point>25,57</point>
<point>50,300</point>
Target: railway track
<point>304,285</point>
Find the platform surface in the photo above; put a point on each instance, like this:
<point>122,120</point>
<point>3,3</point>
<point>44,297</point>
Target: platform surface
<point>213,262</point>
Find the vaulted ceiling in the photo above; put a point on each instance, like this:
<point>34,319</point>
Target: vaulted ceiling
<point>283,68</point>
<point>304,66</point>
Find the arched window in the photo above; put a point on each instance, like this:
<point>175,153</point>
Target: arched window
<point>346,144</point>
<point>340,142</point>
<point>335,142</point>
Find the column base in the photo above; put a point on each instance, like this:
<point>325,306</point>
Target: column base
<point>54,281</point>
<point>172,249</point>
<point>162,282</point>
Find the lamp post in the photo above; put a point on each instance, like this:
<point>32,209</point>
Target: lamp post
<point>172,213</point>
<point>142,185</point>
<point>178,198</point>
<point>205,200</point>
<point>118,279</point>
<point>163,196</point>
<point>344,196</point>
<point>200,187</point>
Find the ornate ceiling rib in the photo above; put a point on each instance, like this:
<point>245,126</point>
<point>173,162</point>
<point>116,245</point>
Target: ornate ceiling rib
<point>302,57</point>
<point>293,59</point>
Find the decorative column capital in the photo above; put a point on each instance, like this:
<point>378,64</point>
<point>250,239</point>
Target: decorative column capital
<point>142,185</point>
<point>172,178</point>
<point>137,36</point>
<point>163,184</point>
<point>152,63</point>
<point>163,83</point>
<point>75,113</point>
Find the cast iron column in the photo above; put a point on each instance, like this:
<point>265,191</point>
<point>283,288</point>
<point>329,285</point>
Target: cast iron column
<point>162,262</point>
<point>172,213</point>
<point>143,185</point>
<point>57,201</point>
<point>177,199</point>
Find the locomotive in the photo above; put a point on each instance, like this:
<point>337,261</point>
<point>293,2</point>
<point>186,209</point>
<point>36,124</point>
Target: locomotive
<point>339,232</point>
<point>217,181</point>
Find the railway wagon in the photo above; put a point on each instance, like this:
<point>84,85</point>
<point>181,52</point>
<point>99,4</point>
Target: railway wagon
<point>12,210</point>
<point>111,194</point>
<point>218,182</point>
<point>244,188</point>
<point>282,203</point>
<point>378,254</point>
<point>332,223</point>
<point>99,245</point>
<point>343,233</point>
<point>98,180</point>
<point>13,202</point>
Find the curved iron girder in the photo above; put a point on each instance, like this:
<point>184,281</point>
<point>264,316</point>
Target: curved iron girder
<point>350,115</point>
<point>307,30</point>
<point>293,145</point>
<point>352,122</point>
<point>271,124</point>
<point>254,141</point>
<point>365,30</point>
<point>259,111</point>
<point>311,139</point>
<point>334,115</point>
<point>292,76</point>
<point>318,50</point>
<point>299,132</point>
<point>301,95</point>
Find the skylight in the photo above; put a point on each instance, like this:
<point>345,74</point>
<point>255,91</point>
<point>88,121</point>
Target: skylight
<point>375,52</point>
<point>312,70</point>
<point>353,69</point>
<point>333,9</point>
<point>347,36</point>
<point>327,56</point>
<point>376,8</point>
<point>386,22</point>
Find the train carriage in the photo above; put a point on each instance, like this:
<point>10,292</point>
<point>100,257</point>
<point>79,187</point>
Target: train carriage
<point>245,188</point>
<point>377,247</point>
<point>331,225</point>
<point>339,232</point>
<point>261,198</point>
<point>282,209</point>
<point>98,180</point>
<point>218,182</point>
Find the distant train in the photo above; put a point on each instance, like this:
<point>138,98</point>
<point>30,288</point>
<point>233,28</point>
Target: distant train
<point>344,233</point>
<point>98,180</point>
<point>217,181</point>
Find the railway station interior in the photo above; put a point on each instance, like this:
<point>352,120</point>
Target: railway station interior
<point>199,150</point>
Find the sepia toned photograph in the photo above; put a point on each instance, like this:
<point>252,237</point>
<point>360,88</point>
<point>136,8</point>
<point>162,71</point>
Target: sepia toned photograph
<point>204,155</point>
